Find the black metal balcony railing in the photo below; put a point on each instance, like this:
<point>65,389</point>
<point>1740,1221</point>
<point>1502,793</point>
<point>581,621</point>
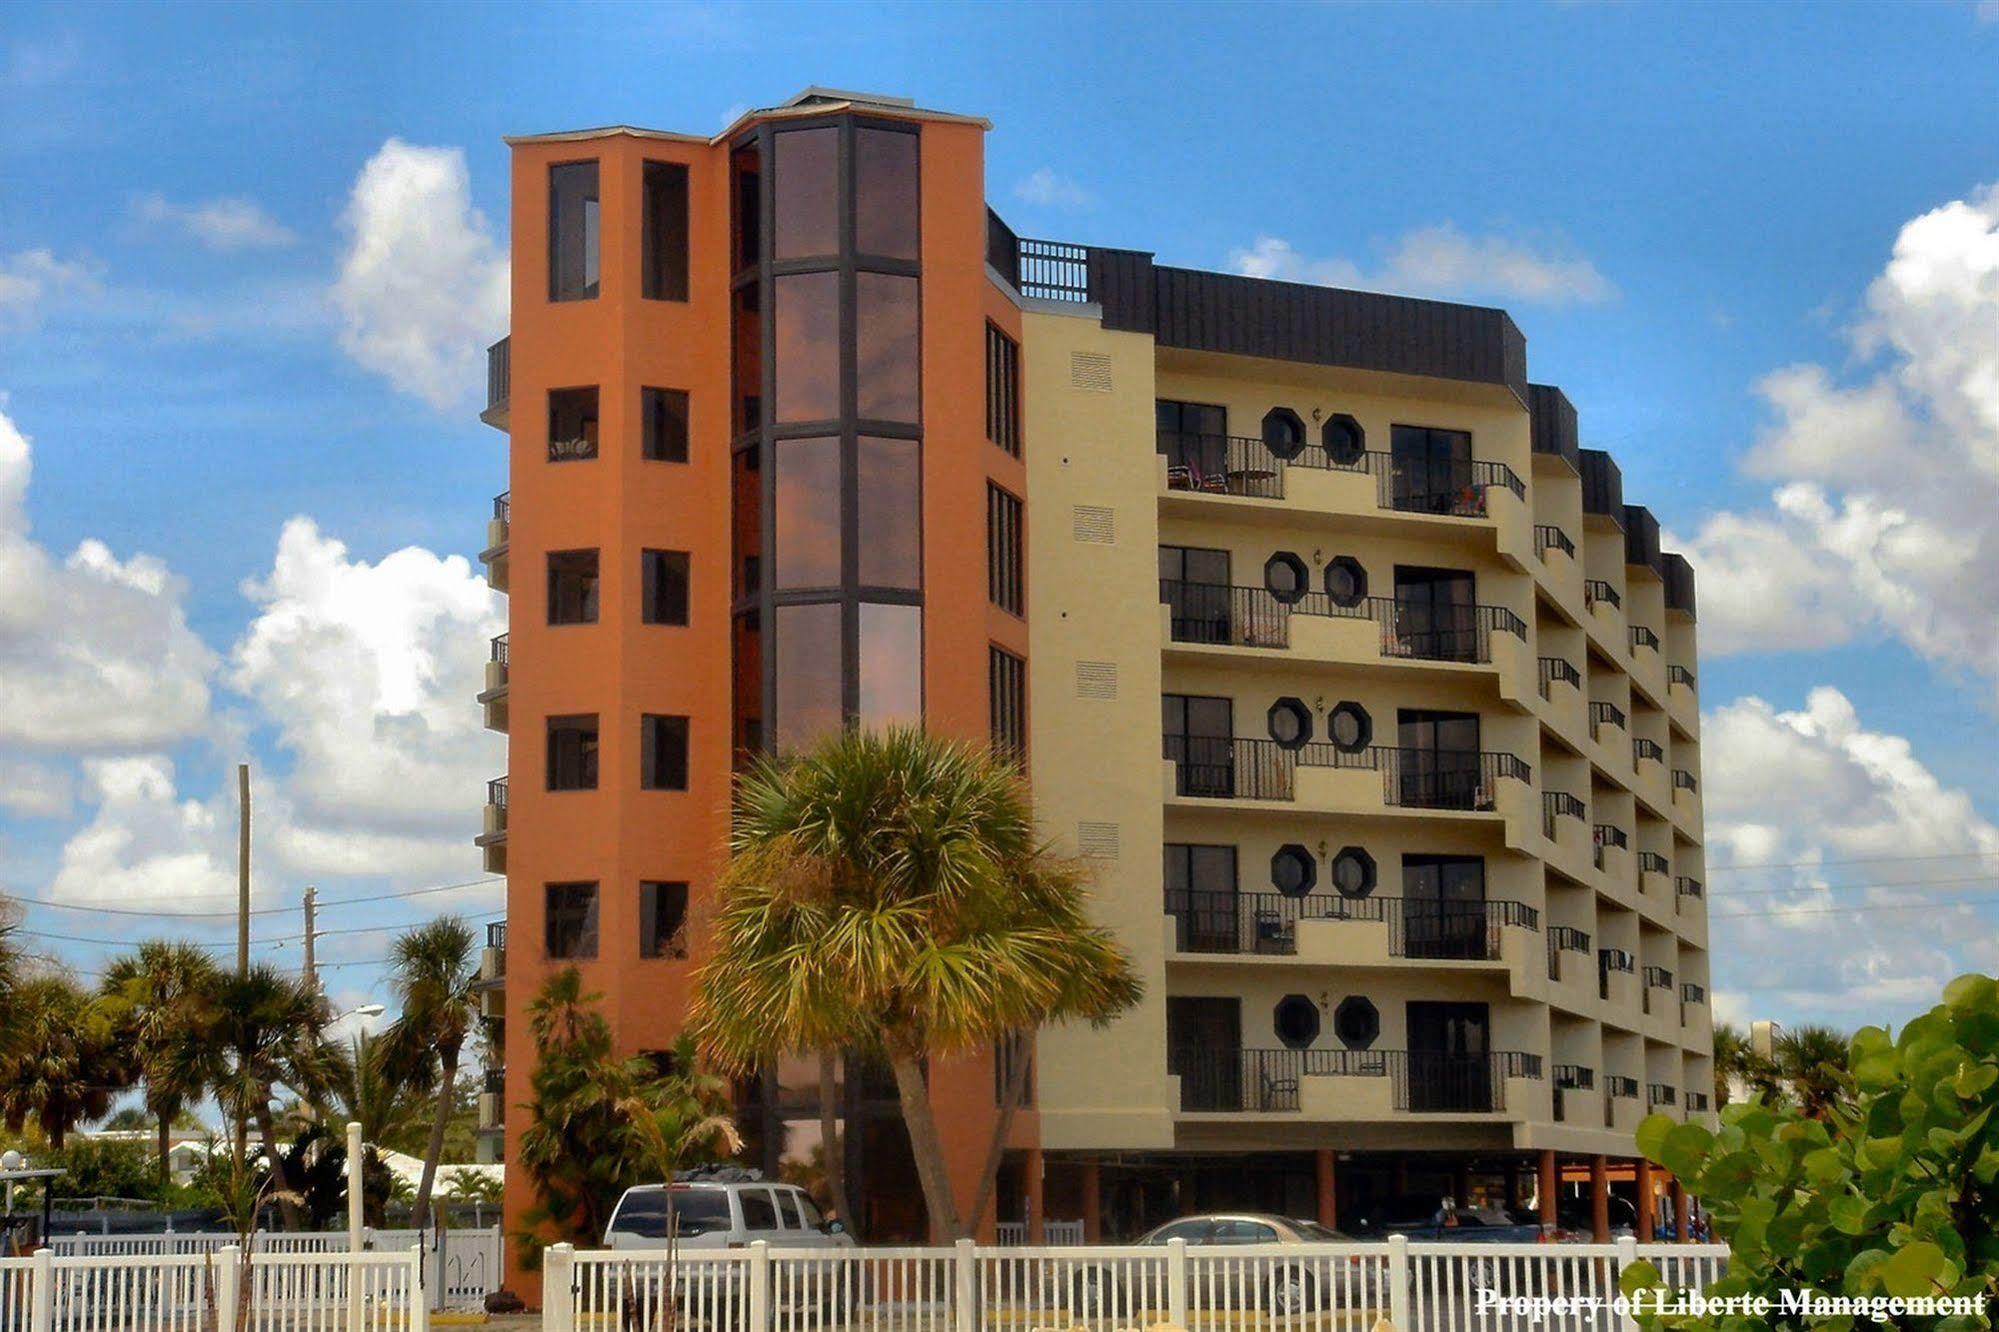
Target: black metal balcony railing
<point>1658,1094</point>
<point>1643,750</point>
<point>496,936</point>
<point>496,793</point>
<point>1221,465</point>
<point>499,374</point>
<point>1697,1103</point>
<point>1655,978</point>
<point>1564,939</point>
<point>1621,1087</point>
<point>1692,993</point>
<point>1560,805</point>
<point>1652,862</point>
<point>1689,886</point>
<point>1608,961</point>
<point>499,649</point>
<point>1643,637</point>
<point>1235,1081</point>
<point>1684,780</point>
<point>1567,1078</point>
<point>1605,714</point>
<point>1596,589</point>
<point>1555,670</point>
<point>1679,675</point>
<point>1548,537</point>
<point>1221,921</point>
<point>1051,270</point>
<point>1609,834</point>
<point>1215,613</point>
<point>1231,768</point>
<point>503,506</point>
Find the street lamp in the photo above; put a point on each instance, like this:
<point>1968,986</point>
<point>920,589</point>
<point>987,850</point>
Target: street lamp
<point>362,1010</point>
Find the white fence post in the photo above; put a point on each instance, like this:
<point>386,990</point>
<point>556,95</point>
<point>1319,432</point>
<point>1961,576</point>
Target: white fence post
<point>42,1315</point>
<point>1627,1254</point>
<point>558,1288</point>
<point>420,1295</point>
<point>228,1281</point>
<point>1176,1282</point>
<point>1398,1282</point>
<point>759,1286</point>
<point>964,1271</point>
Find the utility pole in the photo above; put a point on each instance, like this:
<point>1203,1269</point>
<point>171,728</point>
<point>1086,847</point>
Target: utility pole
<point>311,934</point>
<point>243,871</point>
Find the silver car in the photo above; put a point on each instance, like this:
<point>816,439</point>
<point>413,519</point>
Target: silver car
<point>1310,1283</point>
<point>713,1214</point>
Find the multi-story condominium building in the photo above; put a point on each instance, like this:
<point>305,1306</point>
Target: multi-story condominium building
<point>1367,697</point>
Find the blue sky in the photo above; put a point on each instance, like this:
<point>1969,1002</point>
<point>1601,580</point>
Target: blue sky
<point>1676,202</point>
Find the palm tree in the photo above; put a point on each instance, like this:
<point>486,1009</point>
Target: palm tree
<point>434,969</point>
<point>1732,1059</point>
<point>269,1033</point>
<point>66,1065</point>
<point>360,1089</point>
<point>161,1000</point>
<point>1812,1059</point>
<point>886,893</point>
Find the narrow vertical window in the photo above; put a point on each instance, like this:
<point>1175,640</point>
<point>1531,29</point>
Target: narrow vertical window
<point>1002,390</point>
<point>664,413</point>
<point>1007,685</point>
<point>1005,582</point>
<point>572,752</point>
<point>572,587</point>
<point>569,920</point>
<point>663,753</point>
<point>572,232</point>
<point>662,919</point>
<point>572,424</point>
<point>665,573</point>
<point>665,225</point>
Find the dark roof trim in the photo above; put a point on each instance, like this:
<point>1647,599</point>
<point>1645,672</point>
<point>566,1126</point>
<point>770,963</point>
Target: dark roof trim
<point>1641,539</point>
<point>1603,485</point>
<point>1679,577</point>
<point>1292,321</point>
<point>1554,423</point>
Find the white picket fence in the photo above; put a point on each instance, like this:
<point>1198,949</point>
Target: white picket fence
<point>1012,1233</point>
<point>460,1267</point>
<point>214,1291</point>
<point>1419,1287</point>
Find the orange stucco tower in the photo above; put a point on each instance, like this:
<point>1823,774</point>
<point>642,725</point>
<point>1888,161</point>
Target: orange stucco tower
<point>745,395</point>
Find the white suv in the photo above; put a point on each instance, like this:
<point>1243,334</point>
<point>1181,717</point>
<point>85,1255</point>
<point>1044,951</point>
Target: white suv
<point>711,1214</point>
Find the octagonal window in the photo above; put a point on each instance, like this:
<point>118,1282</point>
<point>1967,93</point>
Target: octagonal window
<point>1283,433</point>
<point>1284,574</point>
<point>1346,581</point>
<point>1295,1021</point>
<point>1343,439</point>
<point>1357,1022</point>
<point>1353,872</point>
<point>1293,870</point>
<point>1349,727</point>
<point>1290,722</point>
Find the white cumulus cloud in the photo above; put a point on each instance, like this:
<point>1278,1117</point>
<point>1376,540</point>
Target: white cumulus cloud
<point>143,843</point>
<point>1440,260</point>
<point>225,224</point>
<point>1881,520</point>
<point>422,287</point>
<point>29,279</point>
<point>1050,189</point>
<point>1836,827</point>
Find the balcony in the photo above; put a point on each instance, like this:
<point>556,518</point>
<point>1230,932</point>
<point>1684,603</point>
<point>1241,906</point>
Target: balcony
<point>1212,614</point>
<point>1274,1081</point>
<point>1684,781</point>
<point>1655,978</point>
<point>1617,1088</point>
<point>1548,537</point>
<point>1560,805</point>
<point>1554,671</point>
<point>492,1100</point>
<point>499,383</point>
<point>494,696</point>
<point>1689,886</point>
<point>1641,637</point>
<point>1659,1095</point>
<point>1647,751</point>
<point>1247,467</point>
<point>1609,837</point>
<point>1569,1080</point>
<point>493,957</point>
<point>1680,675</point>
<point>1605,714</point>
<point>1564,939</point>
<point>493,840</point>
<point>1596,590</point>
<point>1652,862</point>
<point>1247,768</point>
<point>1612,962</point>
<point>499,529</point>
<point>1697,1103</point>
<point>1269,924</point>
<point>1691,994</point>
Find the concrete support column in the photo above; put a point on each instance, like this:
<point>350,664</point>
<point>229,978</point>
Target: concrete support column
<point>1037,1221</point>
<point>1328,1188</point>
<point>1647,1201</point>
<point>1599,1199</point>
<point>1549,1190</point>
<point>1682,1211</point>
<point>1093,1204</point>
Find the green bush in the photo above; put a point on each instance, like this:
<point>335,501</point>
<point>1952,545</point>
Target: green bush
<point>1892,1192</point>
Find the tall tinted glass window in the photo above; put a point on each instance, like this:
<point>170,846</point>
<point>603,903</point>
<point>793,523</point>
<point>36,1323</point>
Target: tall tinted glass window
<point>663,753</point>
<point>572,231</point>
<point>808,513</point>
<point>891,512</point>
<point>665,424</point>
<point>1007,690</point>
<point>665,591</point>
<point>1002,391</point>
<point>665,226</point>
<point>885,193</point>
<point>808,674</point>
<point>572,424</point>
<point>891,665</point>
<point>662,919</point>
<point>1005,581</point>
<point>572,587</point>
<point>888,358</point>
<point>807,200</point>
<point>572,752</point>
<point>808,347</point>
<point>569,920</point>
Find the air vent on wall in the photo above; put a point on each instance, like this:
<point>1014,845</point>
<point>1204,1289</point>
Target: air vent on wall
<point>1096,679</point>
<point>1099,841</point>
<point>1094,523</point>
<point>1090,371</point>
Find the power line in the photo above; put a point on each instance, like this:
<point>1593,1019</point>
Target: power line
<point>278,939</point>
<point>1866,860</point>
<point>1854,910</point>
<point>259,911</point>
<point>1851,887</point>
